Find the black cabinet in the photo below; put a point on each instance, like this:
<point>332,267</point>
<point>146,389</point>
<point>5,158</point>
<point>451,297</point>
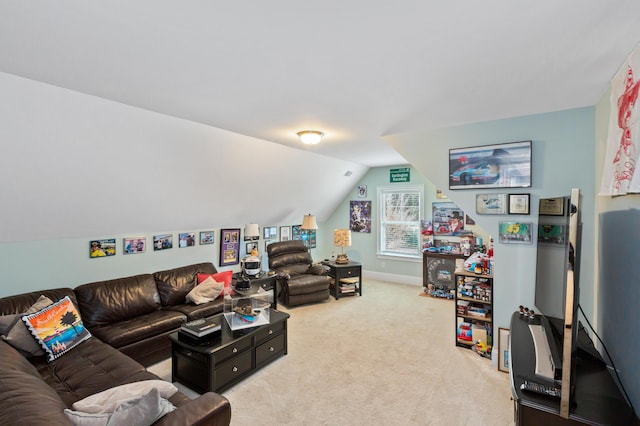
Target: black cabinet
<point>438,270</point>
<point>346,279</point>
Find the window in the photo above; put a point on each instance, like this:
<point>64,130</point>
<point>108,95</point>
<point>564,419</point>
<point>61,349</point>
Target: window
<point>400,215</point>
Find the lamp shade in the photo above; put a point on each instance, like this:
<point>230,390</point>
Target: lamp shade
<point>309,222</point>
<point>252,230</point>
<point>342,237</point>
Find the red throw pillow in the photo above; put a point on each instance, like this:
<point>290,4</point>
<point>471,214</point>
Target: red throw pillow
<point>221,277</point>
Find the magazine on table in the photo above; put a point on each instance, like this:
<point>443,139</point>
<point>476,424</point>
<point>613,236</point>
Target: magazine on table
<point>201,327</point>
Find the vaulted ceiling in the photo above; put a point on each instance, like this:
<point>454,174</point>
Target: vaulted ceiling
<point>355,69</point>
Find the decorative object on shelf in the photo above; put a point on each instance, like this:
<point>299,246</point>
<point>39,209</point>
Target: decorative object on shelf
<point>134,245</point>
<point>251,232</point>
<point>506,165</point>
<point>229,246</point>
<point>102,248</point>
<point>491,203</point>
<point>342,239</point>
<point>309,227</point>
<point>360,216</point>
<point>503,350</point>
<point>519,203</point>
<point>515,232</point>
<point>310,137</point>
<point>207,237</point>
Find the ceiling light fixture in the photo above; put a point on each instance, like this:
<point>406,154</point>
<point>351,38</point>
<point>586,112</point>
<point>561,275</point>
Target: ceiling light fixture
<point>310,137</point>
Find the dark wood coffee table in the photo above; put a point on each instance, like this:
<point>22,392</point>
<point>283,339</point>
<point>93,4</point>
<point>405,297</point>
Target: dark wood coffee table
<point>229,357</point>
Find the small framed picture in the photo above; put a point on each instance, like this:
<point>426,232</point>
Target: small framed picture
<point>270,232</point>
<point>102,248</point>
<point>503,349</point>
<point>514,232</point>
<point>229,246</point>
<point>519,203</point>
<point>250,246</point>
<point>285,233</point>
<point>362,191</point>
<point>491,203</point>
<point>186,239</point>
<point>162,242</point>
<point>134,245</point>
<point>552,206</point>
<point>207,237</point>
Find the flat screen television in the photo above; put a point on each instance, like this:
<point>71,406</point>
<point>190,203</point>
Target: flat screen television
<point>557,286</point>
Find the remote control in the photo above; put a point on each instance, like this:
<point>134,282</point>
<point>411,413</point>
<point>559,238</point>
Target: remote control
<point>541,389</point>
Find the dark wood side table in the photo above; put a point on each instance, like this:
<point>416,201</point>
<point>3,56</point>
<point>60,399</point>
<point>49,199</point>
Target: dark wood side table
<point>229,357</point>
<point>339,272</point>
<point>266,281</point>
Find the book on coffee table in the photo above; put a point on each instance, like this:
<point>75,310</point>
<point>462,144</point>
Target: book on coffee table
<point>201,327</point>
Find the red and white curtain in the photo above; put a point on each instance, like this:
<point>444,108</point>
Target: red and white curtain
<point>619,177</point>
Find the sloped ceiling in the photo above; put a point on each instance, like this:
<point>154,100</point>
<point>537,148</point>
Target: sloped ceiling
<point>355,69</point>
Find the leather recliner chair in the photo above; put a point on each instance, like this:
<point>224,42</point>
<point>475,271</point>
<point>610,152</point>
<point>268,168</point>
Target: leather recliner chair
<point>299,281</point>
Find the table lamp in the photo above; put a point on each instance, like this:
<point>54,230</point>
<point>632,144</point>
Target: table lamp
<point>342,238</point>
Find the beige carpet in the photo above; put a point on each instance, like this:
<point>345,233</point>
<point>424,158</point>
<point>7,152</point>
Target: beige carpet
<point>386,358</point>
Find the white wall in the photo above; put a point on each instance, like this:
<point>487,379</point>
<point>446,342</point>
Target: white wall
<point>76,167</point>
<point>563,158</point>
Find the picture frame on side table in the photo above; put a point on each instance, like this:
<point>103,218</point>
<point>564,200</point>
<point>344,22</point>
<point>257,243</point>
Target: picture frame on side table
<point>491,203</point>
<point>519,204</point>
<point>503,349</point>
<point>506,165</point>
<point>229,246</point>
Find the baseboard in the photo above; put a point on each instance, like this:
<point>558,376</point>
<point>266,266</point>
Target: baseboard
<point>394,278</point>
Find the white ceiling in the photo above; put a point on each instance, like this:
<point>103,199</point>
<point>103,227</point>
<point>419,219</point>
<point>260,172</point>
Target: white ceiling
<point>355,69</point>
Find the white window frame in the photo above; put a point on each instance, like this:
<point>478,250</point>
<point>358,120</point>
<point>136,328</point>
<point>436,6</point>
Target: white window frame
<point>384,190</point>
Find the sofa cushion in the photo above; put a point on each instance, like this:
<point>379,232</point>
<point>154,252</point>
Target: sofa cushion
<point>225,277</point>
<point>27,400</point>
<point>207,291</point>
<point>58,328</point>
<point>88,369</point>
<point>16,333</point>
<point>199,311</point>
<point>174,284</point>
<point>21,302</point>
<point>106,302</point>
<point>302,284</point>
<point>11,359</point>
<point>139,328</point>
<point>107,400</point>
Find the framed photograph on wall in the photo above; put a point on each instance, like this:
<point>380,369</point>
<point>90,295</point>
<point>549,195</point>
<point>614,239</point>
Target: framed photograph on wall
<point>134,245</point>
<point>551,234</point>
<point>296,232</point>
<point>285,233</point>
<point>207,237</point>
<point>491,203</point>
<point>448,219</point>
<point>519,204</point>
<point>506,165</point>
<point>229,246</point>
<point>250,246</point>
<point>362,191</point>
<point>360,216</point>
<point>270,232</point>
<point>503,349</point>
<point>514,232</point>
<point>186,239</point>
<point>102,248</point>
<point>162,242</point>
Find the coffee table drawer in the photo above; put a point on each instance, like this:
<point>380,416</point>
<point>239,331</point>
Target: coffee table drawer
<point>234,368</point>
<point>270,331</point>
<point>269,349</point>
<point>237,347</point>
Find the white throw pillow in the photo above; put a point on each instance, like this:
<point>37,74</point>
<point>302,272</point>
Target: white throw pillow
<point>108,400</point>
<point>207,291</point>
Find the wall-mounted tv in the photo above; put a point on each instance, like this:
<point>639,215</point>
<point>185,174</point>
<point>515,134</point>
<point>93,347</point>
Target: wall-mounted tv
<point>506,165</point>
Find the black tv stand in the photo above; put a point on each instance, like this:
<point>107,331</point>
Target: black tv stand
<point>585,346</point>
<point>597,400</point>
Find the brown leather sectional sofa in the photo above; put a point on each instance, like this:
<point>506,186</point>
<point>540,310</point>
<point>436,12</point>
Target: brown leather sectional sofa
<point>129,319</point>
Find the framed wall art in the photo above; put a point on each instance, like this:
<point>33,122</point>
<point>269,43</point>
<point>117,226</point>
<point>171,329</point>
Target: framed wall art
<point>296,232</point>
<point>229,246</point>
<point>503,349</point>
<point>360,216</point>
<point>514,232</point>
<point>551,234</point>
<point>285,233</point>
<point>162,242</point>
<point>519,204</point>
<point>102,248</point>
<point>362,191</point>
<point>448,219</point>
<point>186,239</point>
<point>207,237</point>
<point>134,245</point>
<point>270,232</point>
<point>552,206</point>
<point>491,203</point>
<point>506,165</point>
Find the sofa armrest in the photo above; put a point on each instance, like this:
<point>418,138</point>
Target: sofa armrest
<point>318,269</point>
<point>210,409</point>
